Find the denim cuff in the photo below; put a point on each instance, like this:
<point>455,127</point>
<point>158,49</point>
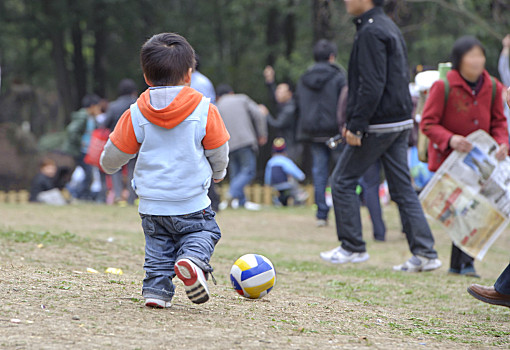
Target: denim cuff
<point>200,263</point>
<point>151,293</point>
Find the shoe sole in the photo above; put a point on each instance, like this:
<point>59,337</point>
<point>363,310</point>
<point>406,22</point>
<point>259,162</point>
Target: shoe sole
<point>353,261</point>
<point>487,300</point>
<point>156,305</point>
<point>196,289</point>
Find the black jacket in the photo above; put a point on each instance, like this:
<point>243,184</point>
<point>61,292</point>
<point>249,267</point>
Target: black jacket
<point>317,99</point>
<point>378,74</point>
<point>285,121</point>
<point>116,109</point>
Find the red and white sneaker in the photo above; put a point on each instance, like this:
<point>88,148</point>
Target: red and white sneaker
<point>194,281</point>
<point>157,303</point>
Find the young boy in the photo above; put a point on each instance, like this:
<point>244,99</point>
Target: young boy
<point>44,181</point>
<point>281,173</point>
<point>181,143</point>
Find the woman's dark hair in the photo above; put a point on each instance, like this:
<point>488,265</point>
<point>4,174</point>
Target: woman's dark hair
<point>378,2</point>
<point>166,59</point>
<point>462,46</point>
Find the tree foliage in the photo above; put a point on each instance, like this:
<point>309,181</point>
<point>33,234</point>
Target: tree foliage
<point>52,52</point>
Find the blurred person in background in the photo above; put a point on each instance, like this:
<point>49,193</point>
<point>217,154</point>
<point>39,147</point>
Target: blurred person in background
<point>247,127</point>
<point>127,92</point>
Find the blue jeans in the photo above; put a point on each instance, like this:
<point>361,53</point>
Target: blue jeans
<point>242,168</point>
<point>170,238</point>
<point>83,189</point>
<point>322,157</point>
<point>391,148</point>
<point>502,285</point>
<point>370,184</point>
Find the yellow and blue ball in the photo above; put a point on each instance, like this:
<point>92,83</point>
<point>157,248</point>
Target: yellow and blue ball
<point>253,276</point>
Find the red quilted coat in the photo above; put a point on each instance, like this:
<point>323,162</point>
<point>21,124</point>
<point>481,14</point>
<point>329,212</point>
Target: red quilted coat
<point>464,113</point>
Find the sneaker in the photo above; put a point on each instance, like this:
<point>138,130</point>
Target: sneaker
<point>418,264</point>
<point>194,280</point>
<point>252,206</point>
<point>234,203</point>
<point>223,205</point>
<point>342,256</point>
<point>329,254</point>
<point>321,223</point>
<point>157,303</point>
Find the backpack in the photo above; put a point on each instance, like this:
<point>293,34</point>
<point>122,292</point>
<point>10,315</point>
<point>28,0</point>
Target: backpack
<point>423,140</point>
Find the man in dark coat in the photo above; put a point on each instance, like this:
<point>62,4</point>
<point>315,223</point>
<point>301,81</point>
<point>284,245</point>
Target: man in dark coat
<point>317,96</point>
<point>378,126</point>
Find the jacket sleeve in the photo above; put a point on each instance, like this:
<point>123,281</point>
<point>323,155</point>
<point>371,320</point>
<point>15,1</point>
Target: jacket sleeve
<point>218,159</point>
<point>216,133</point>
<point>259,120</point>
<point>285,118</point>
<point>267,175</point>
<point>292,169</point>
<point>112,159</point>
<point>499,124</point>
<point>123,136</point>
<point>372,69</point>
<point>504,69</point>
<point>432,115</point>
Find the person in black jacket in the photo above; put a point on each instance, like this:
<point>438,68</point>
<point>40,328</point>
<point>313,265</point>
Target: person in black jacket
<point>284,123</point>
<point>317,97</point>
<point>378,126</point>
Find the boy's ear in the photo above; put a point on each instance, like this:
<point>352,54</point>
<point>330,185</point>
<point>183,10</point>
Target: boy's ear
<point>147,81</point>
<point>187,77</point>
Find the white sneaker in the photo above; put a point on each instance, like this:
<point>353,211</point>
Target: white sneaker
<point>157,303</point>
<point>321,223</point>
<point>223,205</point>
<point>329,254</point>
<point>252,206</point>
<point>418,264</point>
<point>234,203</point>
<point>342,256</point>
<point>194,280</point>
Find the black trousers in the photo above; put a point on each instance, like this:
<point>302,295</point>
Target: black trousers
<point>460,260</point>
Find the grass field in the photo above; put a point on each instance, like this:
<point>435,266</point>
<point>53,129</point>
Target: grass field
<point>48,301</point>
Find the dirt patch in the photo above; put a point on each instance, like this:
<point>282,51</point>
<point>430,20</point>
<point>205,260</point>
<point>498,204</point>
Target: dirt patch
<point>48,304</point>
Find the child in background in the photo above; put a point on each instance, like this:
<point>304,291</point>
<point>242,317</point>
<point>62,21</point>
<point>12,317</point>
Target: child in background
<point>282,173</point>
<point>181,143</point>
<point>43,188</point>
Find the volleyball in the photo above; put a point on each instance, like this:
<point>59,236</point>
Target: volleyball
<point>253,276</point>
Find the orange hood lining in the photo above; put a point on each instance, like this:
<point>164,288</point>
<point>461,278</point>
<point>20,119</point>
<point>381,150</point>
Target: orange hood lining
<point>175,113</point>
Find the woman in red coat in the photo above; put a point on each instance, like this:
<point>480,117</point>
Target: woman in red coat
<point>470,107</point>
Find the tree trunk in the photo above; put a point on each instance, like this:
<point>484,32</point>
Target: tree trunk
<point>272,34</point>
<point>321,20</point>
<point>289,30</point>
<point>80,68</point>
<point>100,35</point>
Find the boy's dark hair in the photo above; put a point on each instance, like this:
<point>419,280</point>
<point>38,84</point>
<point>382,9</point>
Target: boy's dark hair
<point>323,49</point>
<point>378,2</point>
<point>90,100</point>
<point>126,87</point>
<point>166,59</point>
<point>223,89</point>
<point>462,46</point>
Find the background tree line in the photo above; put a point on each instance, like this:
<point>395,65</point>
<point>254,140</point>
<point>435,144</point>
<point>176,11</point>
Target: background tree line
<point>53,52</point>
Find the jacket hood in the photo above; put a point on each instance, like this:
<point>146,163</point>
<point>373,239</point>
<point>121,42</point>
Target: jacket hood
<point>172,115</point>
<point>319,74</point>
